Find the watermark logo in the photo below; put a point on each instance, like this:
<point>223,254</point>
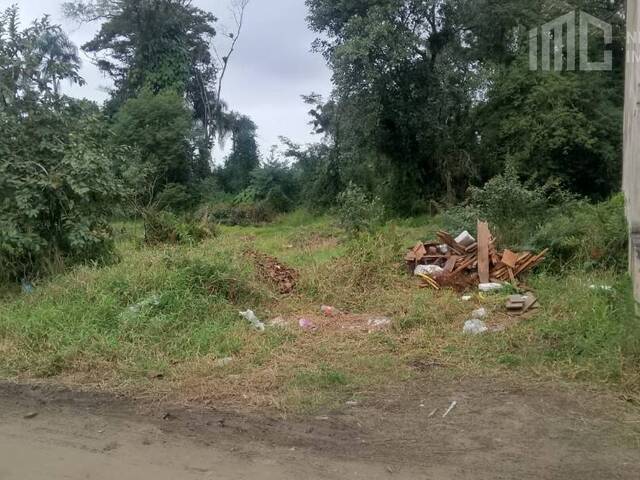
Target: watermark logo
<point>552,34</point>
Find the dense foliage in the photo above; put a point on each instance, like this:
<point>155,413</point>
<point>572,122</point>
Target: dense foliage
<point>57,183</point>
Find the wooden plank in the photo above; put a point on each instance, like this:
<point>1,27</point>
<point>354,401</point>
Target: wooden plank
<point>451,264</point>
<point>510,259</point>
<point>484,239</point>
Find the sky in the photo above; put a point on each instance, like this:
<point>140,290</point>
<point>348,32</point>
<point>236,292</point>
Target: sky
<point>272,67</point>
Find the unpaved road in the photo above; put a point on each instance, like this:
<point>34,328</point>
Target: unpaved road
<point>496,431</point>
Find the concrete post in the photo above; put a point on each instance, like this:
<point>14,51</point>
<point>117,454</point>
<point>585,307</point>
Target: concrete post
<point>632,138</point>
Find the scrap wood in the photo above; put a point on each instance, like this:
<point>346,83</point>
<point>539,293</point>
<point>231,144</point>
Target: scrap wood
<point>484,239</point>
<point>479,262</point>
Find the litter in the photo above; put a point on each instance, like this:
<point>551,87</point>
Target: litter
<point>466,261</point>
<point>603,288</point>
<point>433,271</point>
<point>253,320</point>
<point>467,298</point>
<point>453,405</point>
<point>521,304</point>
<point>27,286</point>
<point>223,362</point>
<point>278,322</point>
<point>306,324</point>
<point>475,327</point>
<point>479,314</point>
<point>380,322</point>
<point>329,311</point>
<point>490,287</point>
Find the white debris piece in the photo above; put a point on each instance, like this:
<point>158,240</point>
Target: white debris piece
<point>490,287</point>
<point>475,327</point>
<point>430,270</point>
<point>603,288</point>
<point>479,314</point>
<point>380,322</point>
<point>443,249</point>
<point>467,298</point>
<point>253,320</point>
<point>465,239</point>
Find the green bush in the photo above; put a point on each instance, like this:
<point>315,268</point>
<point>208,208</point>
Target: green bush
<point>514,210</point>
<point>167,227</point>
<point>587,235</point>
<point>357,211</point>
<point>243,214</point>
<point>177,198</point>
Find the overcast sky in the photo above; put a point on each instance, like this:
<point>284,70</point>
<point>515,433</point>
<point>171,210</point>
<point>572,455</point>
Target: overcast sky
<point>273,64</point>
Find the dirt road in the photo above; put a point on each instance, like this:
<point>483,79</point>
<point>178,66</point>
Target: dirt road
<point>495,431</point>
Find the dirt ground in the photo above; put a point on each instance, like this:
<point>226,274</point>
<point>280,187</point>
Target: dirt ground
<point>497,430</point>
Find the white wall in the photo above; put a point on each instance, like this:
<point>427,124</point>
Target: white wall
<point>632,136</point>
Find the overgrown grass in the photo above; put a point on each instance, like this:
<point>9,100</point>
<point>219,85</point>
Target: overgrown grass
<point>172,311</point>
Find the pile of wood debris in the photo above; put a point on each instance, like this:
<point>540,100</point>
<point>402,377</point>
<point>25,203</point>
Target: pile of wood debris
<point>463,261</point>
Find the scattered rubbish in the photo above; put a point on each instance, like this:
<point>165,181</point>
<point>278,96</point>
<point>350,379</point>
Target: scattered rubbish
<point>250,316</point>
<point>27,286</point>
<point>283,277</point>
<point>603,288</point>
<point>475,327</point>
<point>490,287</point>
<point>352,403</point>
<point>433,271</point>
<point>479,314</point>
<point>467,298</point>
<point>453,405</point>
<point>306,324</point>
<point>329,311</point>
<point>465,239</point>
<point>30,415</point>
<point>467,261</point>
<point>380,322</point>
<point>433,413</point>
<point>136,309</point>
<point>223,362</point>
<point>278,322</point>
<point>521,304</point>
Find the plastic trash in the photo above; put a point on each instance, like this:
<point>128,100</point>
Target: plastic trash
<point>602,288</point>
<point>380,322</point>
<point>430,270</point>
<point>475,327</point>
<point>490,287</point>
<point>467,298</point>
<point>465,239</point>
<point>253,320</point>
<point>306,324</point>
<point>443,249</point>
<point>479,314</point>
<point>27,286</point>
<point>278,322</point>
<point>223,362</point>
<point>328,311</point>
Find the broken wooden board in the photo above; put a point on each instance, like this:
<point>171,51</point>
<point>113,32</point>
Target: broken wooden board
<point>510,259</point>
<point>484,240</point>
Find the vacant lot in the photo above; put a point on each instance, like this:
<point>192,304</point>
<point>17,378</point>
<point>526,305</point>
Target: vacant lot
<point>163,322</point>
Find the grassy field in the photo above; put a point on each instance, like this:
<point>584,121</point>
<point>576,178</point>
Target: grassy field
<point>163,322</point>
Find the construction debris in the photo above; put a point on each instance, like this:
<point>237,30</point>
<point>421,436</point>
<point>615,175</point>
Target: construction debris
<point>475,327</point>
<point>521,304</point>
<point>466,262</point>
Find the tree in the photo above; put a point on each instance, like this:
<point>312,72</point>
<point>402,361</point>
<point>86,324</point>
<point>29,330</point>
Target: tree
<point>57,181</point>
<point>244,156</point>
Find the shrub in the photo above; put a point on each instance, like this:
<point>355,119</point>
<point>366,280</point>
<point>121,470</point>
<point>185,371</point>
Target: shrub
<point>55,210</point>
<point>514,210</point>
<point>166,227</point>
<point>177,198</point>
<point>357,211</point>
<point>242,214</point>
<point>587,235</point>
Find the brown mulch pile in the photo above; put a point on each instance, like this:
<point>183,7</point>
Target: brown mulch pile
<point>270,268</point>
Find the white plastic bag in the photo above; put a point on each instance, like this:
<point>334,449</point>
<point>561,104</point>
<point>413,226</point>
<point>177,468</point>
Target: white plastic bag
<point>475,327</point>
<point>253,320</point>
